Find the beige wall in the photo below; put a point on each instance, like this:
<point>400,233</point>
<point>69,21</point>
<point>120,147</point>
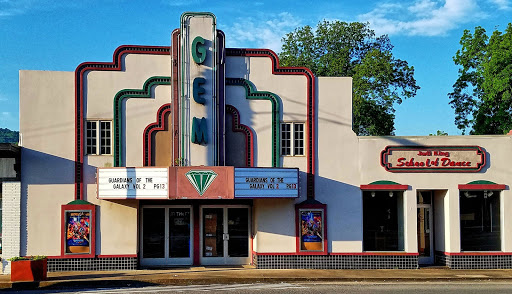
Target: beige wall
<point>343,160</point>
<point>496,171</point>
<point>49,149</point>
<point>47,172</point>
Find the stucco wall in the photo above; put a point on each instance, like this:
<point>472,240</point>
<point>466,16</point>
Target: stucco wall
<point>496,171</point>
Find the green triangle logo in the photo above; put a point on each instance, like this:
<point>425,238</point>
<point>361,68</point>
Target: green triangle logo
<point>201,179</point>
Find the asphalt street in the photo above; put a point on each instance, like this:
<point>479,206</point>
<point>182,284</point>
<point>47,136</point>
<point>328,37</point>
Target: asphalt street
<point>488,287</point>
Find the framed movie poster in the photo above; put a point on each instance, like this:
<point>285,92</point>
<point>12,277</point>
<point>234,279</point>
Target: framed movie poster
<point>311,231</point>
<point>311,226</point>
<point>78,230</point>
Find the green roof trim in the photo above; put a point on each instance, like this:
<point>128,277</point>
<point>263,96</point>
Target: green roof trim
<point>481,182</point>
<point>383,183</point>
<point>79,202</point>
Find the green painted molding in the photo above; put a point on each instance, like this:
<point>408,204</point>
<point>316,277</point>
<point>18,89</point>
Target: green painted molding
<point>252,94</point>
<point>481,182</point>
<point>79,202</point>
<point>384,183</point>
<point>145,92</point>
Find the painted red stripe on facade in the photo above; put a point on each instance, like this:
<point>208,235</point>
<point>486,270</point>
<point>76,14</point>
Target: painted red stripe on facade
<point>159,125</point>
<point>384,187</point>
<point>482,187</point>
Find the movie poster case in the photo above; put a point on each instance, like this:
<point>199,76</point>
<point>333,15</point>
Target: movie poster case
<point>78,230</point>
<point>311,228</point>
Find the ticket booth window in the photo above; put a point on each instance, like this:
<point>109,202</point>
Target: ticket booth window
<point>480,221</point>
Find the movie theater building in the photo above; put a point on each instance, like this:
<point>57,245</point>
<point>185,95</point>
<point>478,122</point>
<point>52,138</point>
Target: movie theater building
<point>197,154</point>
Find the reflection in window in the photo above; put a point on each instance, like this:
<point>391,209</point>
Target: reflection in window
<point>383,221</point>
<point>480,220</point>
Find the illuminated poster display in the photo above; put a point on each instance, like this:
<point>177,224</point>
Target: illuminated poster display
<point>78,224</point>
<point>311,228</point>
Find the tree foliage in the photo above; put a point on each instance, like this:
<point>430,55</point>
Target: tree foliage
<point>8,136</point>
<point>337,49</point>
<point>482,93</point>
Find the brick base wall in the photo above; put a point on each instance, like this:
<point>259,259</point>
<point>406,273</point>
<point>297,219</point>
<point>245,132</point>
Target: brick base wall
<point>469,261</point>
<point>92,264</point>
<point>335,261</point>
<point>11,219</point>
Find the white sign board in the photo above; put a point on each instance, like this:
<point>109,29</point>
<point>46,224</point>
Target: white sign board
<point>133,183</point>
<point>266,183</point>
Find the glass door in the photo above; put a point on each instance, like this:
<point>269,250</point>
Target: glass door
<point>425,234</point>
<point>166,235</point>
<point>225,235</point>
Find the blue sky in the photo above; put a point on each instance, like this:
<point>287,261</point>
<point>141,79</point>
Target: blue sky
<point>59,35</point>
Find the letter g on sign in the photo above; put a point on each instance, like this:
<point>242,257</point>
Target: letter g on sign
<point>198,50</point>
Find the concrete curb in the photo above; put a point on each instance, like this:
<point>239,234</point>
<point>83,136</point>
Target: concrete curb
<point>141,282</point>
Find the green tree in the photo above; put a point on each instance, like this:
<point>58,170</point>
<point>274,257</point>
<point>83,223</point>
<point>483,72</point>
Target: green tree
<point>8,136</point>
<point>439,133</point>
<point>338,48</point>
<point>482,93</point>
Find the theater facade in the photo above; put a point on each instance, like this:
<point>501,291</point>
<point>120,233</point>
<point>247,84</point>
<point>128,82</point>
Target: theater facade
<point>198,154</point>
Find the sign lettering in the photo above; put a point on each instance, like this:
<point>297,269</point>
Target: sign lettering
<point>433,158</point>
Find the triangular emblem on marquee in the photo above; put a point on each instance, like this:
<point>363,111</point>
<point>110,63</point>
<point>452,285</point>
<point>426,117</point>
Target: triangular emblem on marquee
<point>201,179</point>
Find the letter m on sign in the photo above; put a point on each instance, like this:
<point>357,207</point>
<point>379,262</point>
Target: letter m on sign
<point>199,131</point>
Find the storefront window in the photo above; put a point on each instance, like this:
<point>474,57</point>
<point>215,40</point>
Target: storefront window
<point>383,218</point>
<point>480,221</point>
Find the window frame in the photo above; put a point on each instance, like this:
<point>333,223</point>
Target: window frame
<point>292,139</point>
<point>400,212</point>
<point>482,194</point>
<point>99,137</point>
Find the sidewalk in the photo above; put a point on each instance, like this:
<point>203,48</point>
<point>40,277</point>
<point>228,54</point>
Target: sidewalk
<point>226,275</point>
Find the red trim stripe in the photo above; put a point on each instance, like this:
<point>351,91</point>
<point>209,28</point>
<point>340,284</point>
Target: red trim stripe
<point>384,187</point>
<point>482,187</point>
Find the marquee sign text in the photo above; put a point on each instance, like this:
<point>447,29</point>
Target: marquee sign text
<point>266,182</point>
<point>133,183</point>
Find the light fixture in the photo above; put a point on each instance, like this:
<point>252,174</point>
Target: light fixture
<point>373,194</point>
<point>487,194</point>
<point>469,195</point>
<point>390,193</point>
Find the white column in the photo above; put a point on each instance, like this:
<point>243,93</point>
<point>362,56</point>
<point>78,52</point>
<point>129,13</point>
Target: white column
<point>11,218</point>
<point>410,221</point>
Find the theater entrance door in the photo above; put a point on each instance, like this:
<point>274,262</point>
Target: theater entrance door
<point>225,235</point>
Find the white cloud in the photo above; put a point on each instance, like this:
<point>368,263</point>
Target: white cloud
<point>263,31</point>
<point>10,8</point>
<point>422,17</point>
<point>502,4</point>
<point>183,2</point>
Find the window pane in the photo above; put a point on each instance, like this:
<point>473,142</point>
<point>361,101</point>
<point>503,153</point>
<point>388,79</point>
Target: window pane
<point>286,139</point>
<point>480,221</point>
<point>105,137</point>
<point>179,232</point>
<point>91,137</point>
<point>298,138</point>
<point>381,219</point>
